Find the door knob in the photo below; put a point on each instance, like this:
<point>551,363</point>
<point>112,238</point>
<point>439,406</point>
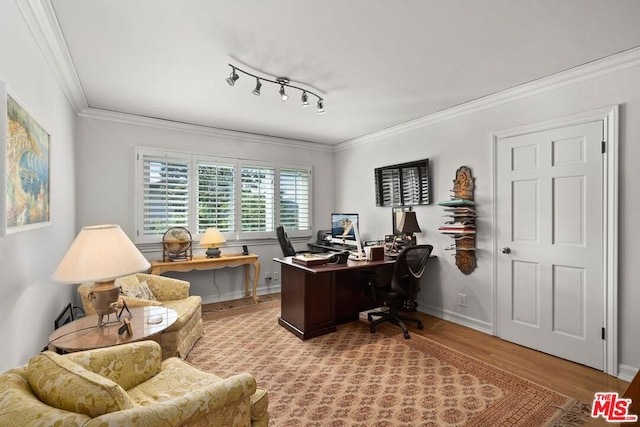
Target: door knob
<point>506,250</point>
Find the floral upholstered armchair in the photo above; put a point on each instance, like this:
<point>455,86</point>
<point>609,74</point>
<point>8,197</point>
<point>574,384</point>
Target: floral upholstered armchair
<point>126,385</point>
<point>147,289</point>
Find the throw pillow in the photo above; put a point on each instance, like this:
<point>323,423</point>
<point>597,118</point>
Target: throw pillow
<point>138,302</point>
<point>140,290</point>
<point>63,384</point>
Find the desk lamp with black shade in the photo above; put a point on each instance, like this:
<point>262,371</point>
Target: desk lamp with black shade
<point>100,254</point>
<point>409,225</point>
<point>211,239</point>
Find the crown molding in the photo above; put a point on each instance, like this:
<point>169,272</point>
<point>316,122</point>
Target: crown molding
<point>41,20</point>
<point>132,119</point>
<point>591,70</point>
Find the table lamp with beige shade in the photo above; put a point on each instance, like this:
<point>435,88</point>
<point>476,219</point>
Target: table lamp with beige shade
<point>211,239</point>
<point>100,254</point>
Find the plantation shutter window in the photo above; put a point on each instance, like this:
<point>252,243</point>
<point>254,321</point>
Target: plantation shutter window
<point>245,199</point>
<point>257,193</point>
<point>216,196</point>
<point>295,199</point>
<point>165,200</point>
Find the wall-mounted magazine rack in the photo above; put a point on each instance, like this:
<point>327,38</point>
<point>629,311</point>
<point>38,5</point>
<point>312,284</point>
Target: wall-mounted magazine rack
<point>460,222</point>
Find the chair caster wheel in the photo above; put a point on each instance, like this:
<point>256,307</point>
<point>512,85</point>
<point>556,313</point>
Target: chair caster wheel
<point>407,336</point>
<point>372,330</point>
<point>420,325</point>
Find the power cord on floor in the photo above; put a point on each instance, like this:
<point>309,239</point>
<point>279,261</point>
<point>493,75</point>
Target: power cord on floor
<point>216,285</point>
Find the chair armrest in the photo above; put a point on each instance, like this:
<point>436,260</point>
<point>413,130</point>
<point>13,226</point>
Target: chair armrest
<point>20,406</point>
<point>224,400</point>
<point>165,288</point>
<point>127,365</point>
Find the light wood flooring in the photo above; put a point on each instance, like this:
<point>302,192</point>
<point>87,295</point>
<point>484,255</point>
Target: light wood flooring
<point>566,377</point>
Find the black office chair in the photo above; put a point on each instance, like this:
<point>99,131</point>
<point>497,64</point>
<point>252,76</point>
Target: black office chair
<point>401,294</point>
<point>285,243</point>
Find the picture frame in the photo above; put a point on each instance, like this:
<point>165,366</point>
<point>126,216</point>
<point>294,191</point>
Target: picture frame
<point>396,217</point>
<point>25,177</point>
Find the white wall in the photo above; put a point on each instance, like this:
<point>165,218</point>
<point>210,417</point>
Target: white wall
<point>30,301</point>
<point>466,140</point>
<point>106,190</point>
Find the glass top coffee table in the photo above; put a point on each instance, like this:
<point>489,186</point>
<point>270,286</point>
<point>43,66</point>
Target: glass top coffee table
<point>83,334</point>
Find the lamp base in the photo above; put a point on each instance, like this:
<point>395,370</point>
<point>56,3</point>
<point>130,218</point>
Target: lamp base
<point>213,253</point>
<point>104,295</point>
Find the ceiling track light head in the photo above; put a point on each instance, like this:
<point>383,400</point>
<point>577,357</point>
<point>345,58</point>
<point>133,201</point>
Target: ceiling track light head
<point>282,81</point>
<point>283,94</point>
<point>256,91</point>
<point>233,77</point>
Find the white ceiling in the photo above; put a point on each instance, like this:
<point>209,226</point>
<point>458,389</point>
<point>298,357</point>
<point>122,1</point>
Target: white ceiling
<point>378,63</point>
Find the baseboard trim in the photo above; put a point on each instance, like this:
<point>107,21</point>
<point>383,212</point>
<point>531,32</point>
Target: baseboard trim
<point>626,372</point>
<point>458,318</point>
<point>263,289</point>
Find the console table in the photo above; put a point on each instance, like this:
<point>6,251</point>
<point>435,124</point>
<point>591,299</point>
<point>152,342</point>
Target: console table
<point>204,263</point>
<point>83,334</point>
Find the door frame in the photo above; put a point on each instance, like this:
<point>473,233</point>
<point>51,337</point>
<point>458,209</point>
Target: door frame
<point>609,116</point>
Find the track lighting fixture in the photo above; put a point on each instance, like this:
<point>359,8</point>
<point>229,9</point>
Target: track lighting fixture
<point>233,77</point>
<point>283,94</point>
<point>282,81</point>
<point>256,91</point>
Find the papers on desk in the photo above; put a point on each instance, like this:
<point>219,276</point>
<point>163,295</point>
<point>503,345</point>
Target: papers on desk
<point>311,259</point>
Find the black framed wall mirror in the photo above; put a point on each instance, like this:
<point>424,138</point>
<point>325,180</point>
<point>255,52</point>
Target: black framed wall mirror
<point>404,184</point>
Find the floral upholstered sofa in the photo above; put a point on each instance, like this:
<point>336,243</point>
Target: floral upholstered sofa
<point>147,289</point>
<point>126,385</point>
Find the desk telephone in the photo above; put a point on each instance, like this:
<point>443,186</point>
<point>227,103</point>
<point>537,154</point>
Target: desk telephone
<point>342,257</point>
<point>339,257</point>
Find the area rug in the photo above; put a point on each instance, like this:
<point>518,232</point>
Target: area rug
<point>355,378</point>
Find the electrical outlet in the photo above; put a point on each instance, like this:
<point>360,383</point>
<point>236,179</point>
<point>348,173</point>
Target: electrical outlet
<point>276,275</point>
<point>462,300</point>
<point>267,276</point>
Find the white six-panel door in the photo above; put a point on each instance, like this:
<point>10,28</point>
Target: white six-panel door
<point>550,217</point>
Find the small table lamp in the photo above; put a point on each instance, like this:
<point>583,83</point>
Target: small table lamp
<point>211,238</point>
<point>100,254</point>
<point>409,225</point>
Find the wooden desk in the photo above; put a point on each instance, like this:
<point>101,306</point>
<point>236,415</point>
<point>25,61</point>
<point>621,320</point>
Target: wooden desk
<point>314,300</point>
<point>83,334</point>
<point>204,263</point>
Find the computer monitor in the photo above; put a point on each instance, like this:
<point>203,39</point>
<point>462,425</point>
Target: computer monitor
<point>342,227</point>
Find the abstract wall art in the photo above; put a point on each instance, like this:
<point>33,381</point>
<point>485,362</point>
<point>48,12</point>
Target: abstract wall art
<point>24,146</point>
